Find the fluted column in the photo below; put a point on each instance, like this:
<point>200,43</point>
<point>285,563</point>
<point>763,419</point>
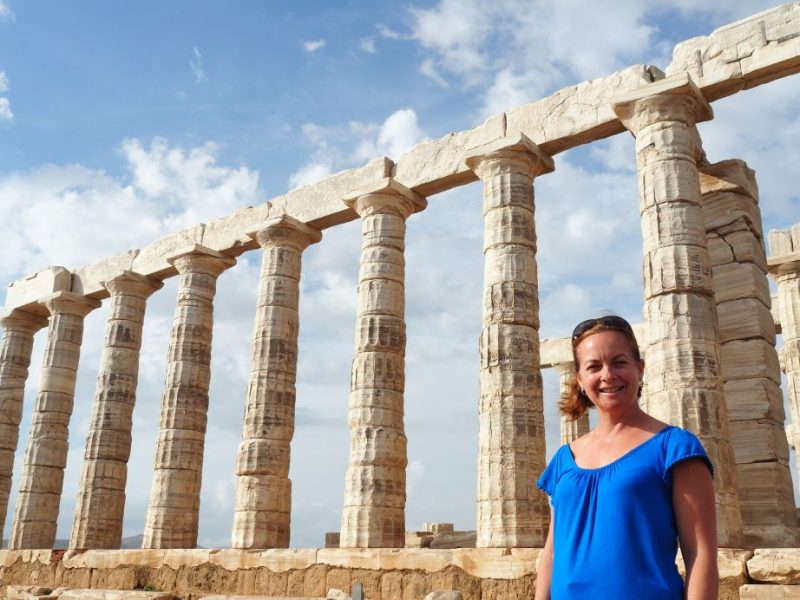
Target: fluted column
<point>15,357</point>
<point>684,381</point>
<point>262,517</point>
<point>101,495</point>
<point>512,512</point>
<point>172,516</point>
<point>570,430</point>
<point>42,478</point>
<point>750,367</point>
<point>375,484</point>
<point>784,266</point>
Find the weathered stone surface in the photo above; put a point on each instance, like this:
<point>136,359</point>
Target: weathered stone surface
<point>27,292</point>
<point>512,512</point>
<point>375,483</point>
<point>744,54</point>
<point>444,596</point>
<point>769,592</point>
<point>172,515</point>
<point>683,354</point>
<point>46,452</point>
<point>262,517</point>
<point>90,280</point>
<point>154,259</point>
<point>775,565</point>
<point>16,346</point>
<point>101,496</point>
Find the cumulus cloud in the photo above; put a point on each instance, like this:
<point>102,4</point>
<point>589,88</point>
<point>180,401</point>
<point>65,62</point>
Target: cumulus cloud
<point>312,46</point>
<point>196,64</point>
<point>3,82</point>
<point>164,188</point>
<point>334,149</point>
<point>393,138</point>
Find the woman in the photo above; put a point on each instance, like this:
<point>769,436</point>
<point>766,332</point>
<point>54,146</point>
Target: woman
<point>625,493</point>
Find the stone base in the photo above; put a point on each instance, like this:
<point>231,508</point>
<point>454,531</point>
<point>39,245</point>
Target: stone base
<point>384,574</point>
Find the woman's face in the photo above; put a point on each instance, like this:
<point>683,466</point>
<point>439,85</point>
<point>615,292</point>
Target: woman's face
<point>607,371</point>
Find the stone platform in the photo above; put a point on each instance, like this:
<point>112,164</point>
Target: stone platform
<point>385,574</point>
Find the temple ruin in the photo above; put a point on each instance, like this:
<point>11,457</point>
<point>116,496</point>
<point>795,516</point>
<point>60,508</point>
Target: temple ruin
<point>708,333</point>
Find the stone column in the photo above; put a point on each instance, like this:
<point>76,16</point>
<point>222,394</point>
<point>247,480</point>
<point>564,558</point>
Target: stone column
<point>262,517</point>
<point>512,512</point>
<point>750,367</point>
<point>784,266</point>
<point>172,516</point>
<point>570,430</point>
<point>46,453</point>
<point>375,485</point>
<point>19,326</point>
<point>684,382</point>
<point>101,496</point>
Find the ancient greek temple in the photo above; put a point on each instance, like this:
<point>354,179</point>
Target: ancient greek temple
<point>708,333</point>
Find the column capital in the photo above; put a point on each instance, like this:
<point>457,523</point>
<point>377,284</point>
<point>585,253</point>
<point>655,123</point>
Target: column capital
<point>385,196</point>
<point>69,303</point>
<point>285,231</point>
<point>21,320</point>
<point>564,367</point>
<point>674,98</point>
<point>132,283</point>
<point>200,258</point>
<point>516,149</point>
<point>784,266</point>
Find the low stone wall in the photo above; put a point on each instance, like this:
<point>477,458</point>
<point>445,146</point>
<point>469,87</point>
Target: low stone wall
<point>402,574</point>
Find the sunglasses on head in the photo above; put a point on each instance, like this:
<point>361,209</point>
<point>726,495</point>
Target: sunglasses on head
<point>609,322</point>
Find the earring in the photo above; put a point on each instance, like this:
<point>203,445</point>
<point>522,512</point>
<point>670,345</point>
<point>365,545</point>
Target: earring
<point>583,392</point>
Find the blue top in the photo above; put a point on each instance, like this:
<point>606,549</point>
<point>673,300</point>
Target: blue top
<point>614,531</point>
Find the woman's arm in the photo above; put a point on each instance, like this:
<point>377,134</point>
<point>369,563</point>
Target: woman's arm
<point>693,502</point>
<point>544,569</point>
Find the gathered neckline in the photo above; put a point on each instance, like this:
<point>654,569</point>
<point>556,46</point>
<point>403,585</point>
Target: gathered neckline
<point>623,457</point>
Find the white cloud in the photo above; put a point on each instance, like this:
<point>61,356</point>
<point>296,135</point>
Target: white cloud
<point>456,31</point>
<point>428,68</point>
<point>396,136</point>
<point>312,46</point>
<point>5,104</point>
<point>512,89</point>
<point>6,14</point>
<point>367,44</point>
<point>309,173</point>
<point>5,110</point>
<point>388,32</point>
<point>196,64</point>
<point>82,215</point>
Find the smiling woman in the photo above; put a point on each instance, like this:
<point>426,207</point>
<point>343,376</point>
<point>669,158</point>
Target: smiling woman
<point>626,492</point>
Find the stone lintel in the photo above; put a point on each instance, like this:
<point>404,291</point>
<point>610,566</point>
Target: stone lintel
<point>25,293</point>
<point>518,143</point>
<point>783,264</point>
<point>283,222</point>
<point>388,186</point>
<point>679,85</point>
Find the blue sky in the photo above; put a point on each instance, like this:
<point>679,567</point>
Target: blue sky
<point>122,122</point>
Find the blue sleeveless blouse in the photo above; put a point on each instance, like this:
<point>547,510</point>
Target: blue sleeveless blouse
<point>614,530</point>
